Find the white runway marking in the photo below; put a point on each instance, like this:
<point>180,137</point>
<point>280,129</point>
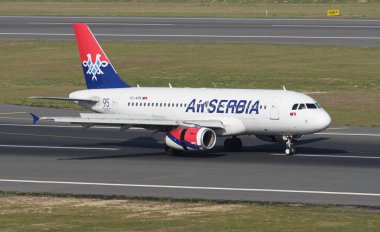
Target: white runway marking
<point>323,26</point>
<point>118,24</point>
<point>348,134</point>
<point>55,126</point>
<point>331,156</point>
<point>68,126</point>
<point>205,36</point>
<point>192,187</point>
<point>14,113</point>
<point>56,147</point>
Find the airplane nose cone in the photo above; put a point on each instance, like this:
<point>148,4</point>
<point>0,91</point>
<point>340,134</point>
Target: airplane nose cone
<point>324,120</point>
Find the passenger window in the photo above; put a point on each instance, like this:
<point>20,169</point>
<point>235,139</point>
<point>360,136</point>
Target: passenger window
<point>302,106</point>
<point>311,106</point>
<point>294,106</point>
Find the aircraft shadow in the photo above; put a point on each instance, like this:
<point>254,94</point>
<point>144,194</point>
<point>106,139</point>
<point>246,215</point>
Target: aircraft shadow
<point>306,141</point>
<point>218,151</point>
<point>154,154</point>
<point>138,142</point>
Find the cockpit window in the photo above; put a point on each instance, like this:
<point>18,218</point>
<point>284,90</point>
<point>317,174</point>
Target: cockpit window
<point>302,106</point>
<point>317,104</point>
<point>311,106</point>
<point>294,106</point>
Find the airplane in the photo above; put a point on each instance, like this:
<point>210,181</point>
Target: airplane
<point>191,118</point>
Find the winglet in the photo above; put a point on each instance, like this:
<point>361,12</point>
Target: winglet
<point>35,118</point>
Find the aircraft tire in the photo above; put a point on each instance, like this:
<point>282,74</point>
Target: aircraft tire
<point>228,144</point>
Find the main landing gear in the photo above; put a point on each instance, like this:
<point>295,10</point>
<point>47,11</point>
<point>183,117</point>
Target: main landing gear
<point>289,148</point>
<point>233,144</point>
<point>171,151</point>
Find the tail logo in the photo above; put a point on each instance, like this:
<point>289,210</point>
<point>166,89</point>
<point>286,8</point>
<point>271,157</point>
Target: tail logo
<point>94,68</point>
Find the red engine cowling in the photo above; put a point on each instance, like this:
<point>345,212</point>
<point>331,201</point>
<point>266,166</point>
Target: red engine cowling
<point>191,139</point>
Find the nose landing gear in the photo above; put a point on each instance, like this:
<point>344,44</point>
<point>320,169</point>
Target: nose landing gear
<point>289,147</point>
<point>233,144</point>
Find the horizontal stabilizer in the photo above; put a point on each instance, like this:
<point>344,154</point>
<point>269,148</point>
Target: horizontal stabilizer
<point>64,99</point>
<point>35,118</point>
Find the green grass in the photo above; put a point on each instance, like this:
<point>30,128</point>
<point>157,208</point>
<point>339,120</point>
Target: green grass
<point>348,76</point>
<point>195,8</point>
<point>37,213</point>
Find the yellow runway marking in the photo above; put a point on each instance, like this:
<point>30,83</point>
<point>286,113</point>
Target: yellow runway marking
<point>337,128</point>
<point>16,118</point>
<point>14,113</point>
<point>61,136</point>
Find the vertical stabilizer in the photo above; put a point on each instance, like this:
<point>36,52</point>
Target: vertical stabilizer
<point>98,70</point>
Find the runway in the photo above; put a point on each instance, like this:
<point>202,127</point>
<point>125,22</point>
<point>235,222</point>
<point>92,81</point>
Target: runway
<point>339,166</point>
<point>283,31</point>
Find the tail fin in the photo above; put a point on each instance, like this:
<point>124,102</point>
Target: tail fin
<point>98,70</point>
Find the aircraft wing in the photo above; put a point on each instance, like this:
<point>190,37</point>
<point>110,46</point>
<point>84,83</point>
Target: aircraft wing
<point>125,121</point>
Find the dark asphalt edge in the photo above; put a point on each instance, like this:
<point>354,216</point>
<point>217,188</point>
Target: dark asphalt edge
<point>370,208</point>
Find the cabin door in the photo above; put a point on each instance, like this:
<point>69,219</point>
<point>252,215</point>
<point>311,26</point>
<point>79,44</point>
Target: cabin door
<point>275,109</point>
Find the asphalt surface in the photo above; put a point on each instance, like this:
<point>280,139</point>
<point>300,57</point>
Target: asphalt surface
<point>339,166</point>
<point>289,31</point>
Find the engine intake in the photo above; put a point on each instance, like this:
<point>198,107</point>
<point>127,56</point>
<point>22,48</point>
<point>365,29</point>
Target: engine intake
<point>194,138</point>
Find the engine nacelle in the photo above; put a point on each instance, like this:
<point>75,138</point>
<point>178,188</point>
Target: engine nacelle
<point>191,139</point>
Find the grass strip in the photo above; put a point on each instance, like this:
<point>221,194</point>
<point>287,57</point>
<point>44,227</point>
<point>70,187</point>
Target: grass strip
<point>345,80</point>
<point>195,8</point>
<point>36,212</point>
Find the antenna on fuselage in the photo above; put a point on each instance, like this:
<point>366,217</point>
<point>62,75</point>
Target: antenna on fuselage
<point>170,85</point>
<point>284,87</point>
<point>138,86</point>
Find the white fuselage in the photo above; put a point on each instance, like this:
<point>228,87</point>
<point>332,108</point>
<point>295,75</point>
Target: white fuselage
<point>242,111</point>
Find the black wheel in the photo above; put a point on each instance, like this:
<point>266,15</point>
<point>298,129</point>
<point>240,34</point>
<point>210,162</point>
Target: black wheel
<point>289,151</point>
<point>237,144</point>
<point>170,151</point>
<point>229,144</point>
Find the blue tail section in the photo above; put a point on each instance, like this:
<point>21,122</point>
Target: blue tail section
<point>98,70</point>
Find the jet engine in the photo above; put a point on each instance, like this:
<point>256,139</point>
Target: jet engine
<point>191,139</point>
